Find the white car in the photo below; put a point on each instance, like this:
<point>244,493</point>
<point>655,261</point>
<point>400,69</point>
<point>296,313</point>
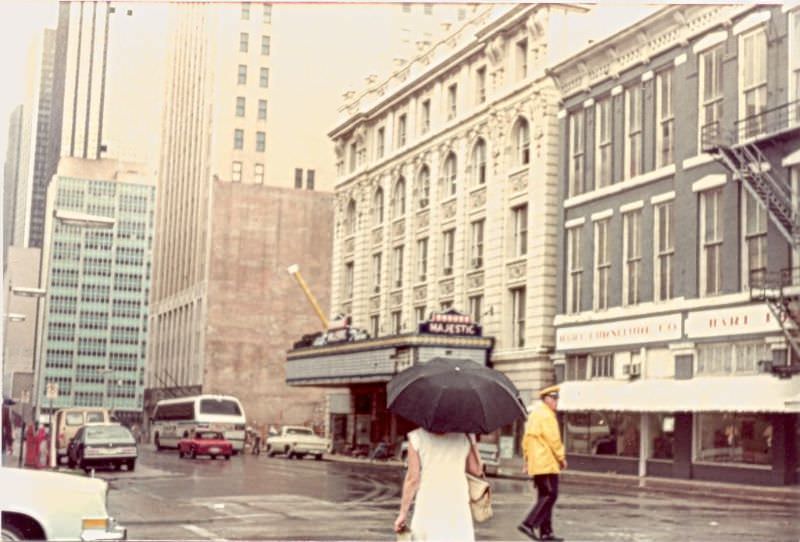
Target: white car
<point>44,505</point>
<point>297,441</point>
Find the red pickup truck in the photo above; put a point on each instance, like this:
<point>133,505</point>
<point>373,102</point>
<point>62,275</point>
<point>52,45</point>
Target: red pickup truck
<point>211,443</point>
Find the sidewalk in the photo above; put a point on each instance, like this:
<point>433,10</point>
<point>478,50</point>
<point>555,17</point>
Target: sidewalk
<point>512,469</point>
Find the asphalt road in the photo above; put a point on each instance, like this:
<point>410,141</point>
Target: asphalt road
<point>260,498</point>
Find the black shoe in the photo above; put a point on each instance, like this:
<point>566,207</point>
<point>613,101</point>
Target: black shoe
<point>551,537</point>
<point>530,532</point>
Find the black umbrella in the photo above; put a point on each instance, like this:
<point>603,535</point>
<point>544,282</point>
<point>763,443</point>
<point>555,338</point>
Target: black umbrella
<point>448,395</point>
<point>8,401</point>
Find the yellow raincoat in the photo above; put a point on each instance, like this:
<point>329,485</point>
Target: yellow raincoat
<point>541,445</point>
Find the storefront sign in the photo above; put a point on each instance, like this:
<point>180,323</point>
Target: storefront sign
<point>643,330</point>
<point>743,320</point>
<point>451,322</point>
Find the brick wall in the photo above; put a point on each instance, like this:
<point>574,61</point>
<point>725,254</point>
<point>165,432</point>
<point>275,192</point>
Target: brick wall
<point>255,309</point>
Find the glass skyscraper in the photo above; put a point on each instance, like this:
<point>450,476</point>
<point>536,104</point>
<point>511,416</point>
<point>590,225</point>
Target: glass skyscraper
<point>97,278</point>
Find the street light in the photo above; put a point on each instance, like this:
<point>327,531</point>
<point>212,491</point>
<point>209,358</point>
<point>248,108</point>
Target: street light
<point>22,291</point>
<point>25,291</point>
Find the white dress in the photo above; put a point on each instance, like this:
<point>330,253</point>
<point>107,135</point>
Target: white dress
<point>441,509</point>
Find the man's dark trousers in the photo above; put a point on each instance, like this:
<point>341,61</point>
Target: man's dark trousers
<point>540,516</point>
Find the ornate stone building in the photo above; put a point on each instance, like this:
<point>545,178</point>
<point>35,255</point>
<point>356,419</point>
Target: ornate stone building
<point>446,190</point>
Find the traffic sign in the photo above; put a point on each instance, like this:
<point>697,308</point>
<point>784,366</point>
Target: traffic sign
<point>52,390</point>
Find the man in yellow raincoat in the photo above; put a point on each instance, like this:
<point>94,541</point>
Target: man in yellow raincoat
<point>544,459</point>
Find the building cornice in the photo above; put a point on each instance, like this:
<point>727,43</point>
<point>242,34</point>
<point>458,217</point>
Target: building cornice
<point>635,45</point>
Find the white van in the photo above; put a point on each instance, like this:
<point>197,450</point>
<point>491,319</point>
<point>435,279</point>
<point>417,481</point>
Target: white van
<point>174,419</point>
<point>69,420</point>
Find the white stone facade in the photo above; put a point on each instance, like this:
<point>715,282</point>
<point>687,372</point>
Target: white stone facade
<point>479,97</point>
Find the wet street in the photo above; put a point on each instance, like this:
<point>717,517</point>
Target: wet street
<point>259,498</point>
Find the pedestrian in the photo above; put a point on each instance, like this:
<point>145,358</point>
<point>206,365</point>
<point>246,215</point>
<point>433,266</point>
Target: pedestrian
<point>544,459</point>
<point>436,481</point>
<point>8,431</point>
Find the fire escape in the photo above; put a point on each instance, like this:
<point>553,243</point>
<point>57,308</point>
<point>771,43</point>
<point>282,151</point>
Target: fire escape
<point>743,153</point>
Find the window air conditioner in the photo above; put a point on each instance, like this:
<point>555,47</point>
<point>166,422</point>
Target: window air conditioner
<point>398,283</point>
<point>448,271</point>
<point>477,263</point>
<point>376,289</point>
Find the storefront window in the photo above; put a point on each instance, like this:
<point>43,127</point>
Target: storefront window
<point>662,434</point>
<point>735,438</point>
<point>602,433</point>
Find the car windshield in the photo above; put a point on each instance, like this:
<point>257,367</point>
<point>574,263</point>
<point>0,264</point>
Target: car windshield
<point>108,433</point>
<point>209,435</point>
<point>299,431</point>
<point>74,418</point>
<point>220,406</point>
<point>94,417</point>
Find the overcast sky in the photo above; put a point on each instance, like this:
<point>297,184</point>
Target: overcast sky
<point>323,49</point>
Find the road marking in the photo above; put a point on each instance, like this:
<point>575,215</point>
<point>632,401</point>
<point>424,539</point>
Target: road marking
<point>203,532</point>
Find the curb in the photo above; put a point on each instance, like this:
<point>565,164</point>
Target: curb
<point>740,492</point>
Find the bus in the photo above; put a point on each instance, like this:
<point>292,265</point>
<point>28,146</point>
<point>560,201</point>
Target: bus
<point>174,419</point>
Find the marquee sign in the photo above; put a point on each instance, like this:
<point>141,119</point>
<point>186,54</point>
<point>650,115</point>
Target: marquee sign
<point>450,322</point>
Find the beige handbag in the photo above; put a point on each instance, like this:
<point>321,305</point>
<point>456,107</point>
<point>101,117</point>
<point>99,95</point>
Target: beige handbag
<point>480,498</point>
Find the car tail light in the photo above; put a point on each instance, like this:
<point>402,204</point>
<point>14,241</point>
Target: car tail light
<point>129,450</point>
<point>95,523</point>
<point>91,452</point>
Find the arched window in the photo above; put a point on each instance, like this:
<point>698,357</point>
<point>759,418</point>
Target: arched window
<point>478,163</point>
<point>424,184</point>
<point>450,175</point>
<point>522,142</point>
<point>377,207</point>
<point>350,223</point>
<point>399,198</point>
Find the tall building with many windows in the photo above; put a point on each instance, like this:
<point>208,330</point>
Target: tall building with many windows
<point>224,308</point>
<point>445,199</point>
<point>676,341</point>
<point>96,273</point>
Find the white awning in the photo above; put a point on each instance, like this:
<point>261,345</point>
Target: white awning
<point>755,393</point>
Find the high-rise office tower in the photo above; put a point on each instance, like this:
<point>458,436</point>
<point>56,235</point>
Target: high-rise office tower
<point>11,176</point>
<point>97,264</point>
<point>224,309</point>
<point>40,174</point>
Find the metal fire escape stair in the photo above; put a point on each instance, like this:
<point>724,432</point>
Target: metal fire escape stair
<point>743,156</point>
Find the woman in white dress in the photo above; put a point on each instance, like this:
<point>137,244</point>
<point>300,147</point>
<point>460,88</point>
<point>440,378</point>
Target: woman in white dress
<point>436,476</point>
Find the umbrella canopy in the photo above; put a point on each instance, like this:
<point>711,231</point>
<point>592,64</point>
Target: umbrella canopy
<point>448,395</point>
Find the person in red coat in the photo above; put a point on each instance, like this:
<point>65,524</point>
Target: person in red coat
<point>31,447</point>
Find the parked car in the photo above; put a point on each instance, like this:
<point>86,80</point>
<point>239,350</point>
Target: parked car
<point>69,420</point>
<point>107,445</point>
<point>55,506</point>
<point>296,441</point>
<point>212,443</point>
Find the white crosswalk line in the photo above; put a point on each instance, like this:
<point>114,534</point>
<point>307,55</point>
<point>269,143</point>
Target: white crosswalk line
<point>203,532</point>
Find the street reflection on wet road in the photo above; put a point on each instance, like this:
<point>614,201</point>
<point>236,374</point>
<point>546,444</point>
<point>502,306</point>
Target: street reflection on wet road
<point>260,498</point>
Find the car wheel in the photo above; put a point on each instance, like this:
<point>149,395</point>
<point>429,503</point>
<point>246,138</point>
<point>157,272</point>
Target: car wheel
<point>11,532</point>
<point>70,463</point>
<point>157,442</point>
<point>318,457</point>
<point>270,453</point>
<point>180,453</point>
<point>227,458</point>
<point>193,453</point>
<point>299,456</point>
<point>213,457</point>
<point>131,465</point>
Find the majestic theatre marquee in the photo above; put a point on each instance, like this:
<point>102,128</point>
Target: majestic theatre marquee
<point>451,322</point>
